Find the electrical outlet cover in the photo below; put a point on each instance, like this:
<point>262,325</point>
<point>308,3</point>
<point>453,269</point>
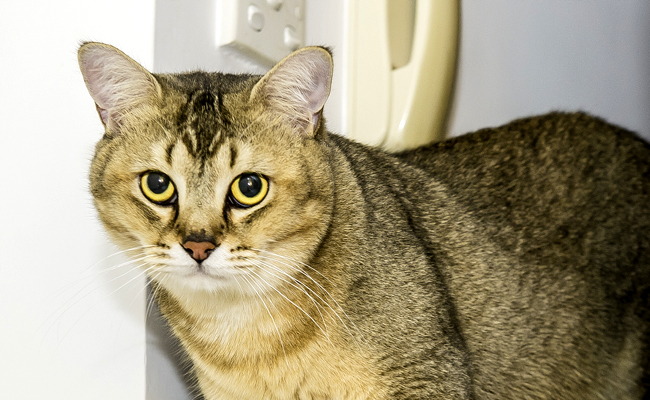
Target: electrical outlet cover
<point>264,29</point>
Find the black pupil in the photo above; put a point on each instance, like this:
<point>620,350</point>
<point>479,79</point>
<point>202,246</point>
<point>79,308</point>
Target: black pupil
<point>157,183</point>
<point>250,185</point>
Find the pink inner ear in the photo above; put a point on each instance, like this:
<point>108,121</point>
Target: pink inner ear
<point>320,76</point>
<point>318,95</point>
<point>98,77</point>
<point>315,118</point>
<point>103,114</point>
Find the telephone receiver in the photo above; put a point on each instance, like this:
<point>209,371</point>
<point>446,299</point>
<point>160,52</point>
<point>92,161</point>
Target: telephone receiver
<point>401,65</point>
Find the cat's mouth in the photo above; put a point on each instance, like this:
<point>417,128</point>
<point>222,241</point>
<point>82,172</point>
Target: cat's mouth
<point>200,271</point>
<point>212,267</point>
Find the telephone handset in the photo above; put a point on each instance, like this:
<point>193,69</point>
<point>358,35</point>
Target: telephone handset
<point>401,64</point>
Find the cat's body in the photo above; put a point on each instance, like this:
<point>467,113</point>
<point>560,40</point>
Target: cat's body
<point>512,263</point>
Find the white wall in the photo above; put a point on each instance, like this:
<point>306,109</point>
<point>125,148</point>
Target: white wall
<point>61,337</point>
<point>519,58</point>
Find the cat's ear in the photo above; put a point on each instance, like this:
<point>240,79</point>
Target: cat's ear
<point>298,87</point>
<point>118,85</point>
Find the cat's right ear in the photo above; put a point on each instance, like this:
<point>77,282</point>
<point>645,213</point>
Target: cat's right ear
<point>117,83</point>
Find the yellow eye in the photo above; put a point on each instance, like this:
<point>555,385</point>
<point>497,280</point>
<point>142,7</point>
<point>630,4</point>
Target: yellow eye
<point>158,188</point>
<point>248,189</point>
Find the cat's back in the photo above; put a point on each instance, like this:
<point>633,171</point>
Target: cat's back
<point>575,144</point>
<point>547,177</point>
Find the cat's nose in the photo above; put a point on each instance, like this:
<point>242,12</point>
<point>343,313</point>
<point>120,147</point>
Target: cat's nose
<point>199,250</point>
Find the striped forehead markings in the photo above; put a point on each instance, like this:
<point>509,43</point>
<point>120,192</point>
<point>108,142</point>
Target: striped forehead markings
<point>204,125</point>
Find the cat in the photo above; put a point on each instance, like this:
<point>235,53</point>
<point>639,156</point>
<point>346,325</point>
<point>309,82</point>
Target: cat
<point>293,263</point>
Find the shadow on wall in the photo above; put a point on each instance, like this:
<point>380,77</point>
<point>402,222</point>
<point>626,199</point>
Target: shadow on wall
<point>165,354</point>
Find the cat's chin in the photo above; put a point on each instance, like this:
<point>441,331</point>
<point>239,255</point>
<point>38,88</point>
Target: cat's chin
<point>197,281</point>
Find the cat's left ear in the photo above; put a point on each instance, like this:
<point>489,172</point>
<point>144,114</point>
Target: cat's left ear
<point>298,87</point>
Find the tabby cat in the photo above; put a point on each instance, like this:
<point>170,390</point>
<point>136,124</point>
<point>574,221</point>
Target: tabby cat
<point>292,263</point>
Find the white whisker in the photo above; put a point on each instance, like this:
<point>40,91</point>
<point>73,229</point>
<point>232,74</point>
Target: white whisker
<point>118,253</point>
<point>108,296</point>
<point>287,299</point>
<point>67,305</point>
<point>317,284</point>
<point>147,283</point>
<point>316,304</point>
<point>295,261</point>
<point>301,288</point>
<point>241,289</point>
<point>153,294</point>
<point>72,298</point>
<point>77,281</point>
<point>272,319</point>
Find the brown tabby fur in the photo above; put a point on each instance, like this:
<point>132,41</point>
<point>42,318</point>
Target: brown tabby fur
<point>511,263</point>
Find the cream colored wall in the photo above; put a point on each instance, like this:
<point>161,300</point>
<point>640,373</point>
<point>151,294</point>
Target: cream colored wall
<point>67,331</point>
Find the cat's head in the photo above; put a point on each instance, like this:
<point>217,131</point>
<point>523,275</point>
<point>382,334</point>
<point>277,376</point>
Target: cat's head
<point>222,179</point>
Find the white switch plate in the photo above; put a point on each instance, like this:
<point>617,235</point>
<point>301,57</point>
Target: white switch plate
<point>263,29</point>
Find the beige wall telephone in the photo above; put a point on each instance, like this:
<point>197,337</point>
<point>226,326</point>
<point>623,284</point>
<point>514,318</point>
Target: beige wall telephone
<point>401,64</point>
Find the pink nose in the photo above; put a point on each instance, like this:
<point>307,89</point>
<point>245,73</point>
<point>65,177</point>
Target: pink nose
<point>199,250</point>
